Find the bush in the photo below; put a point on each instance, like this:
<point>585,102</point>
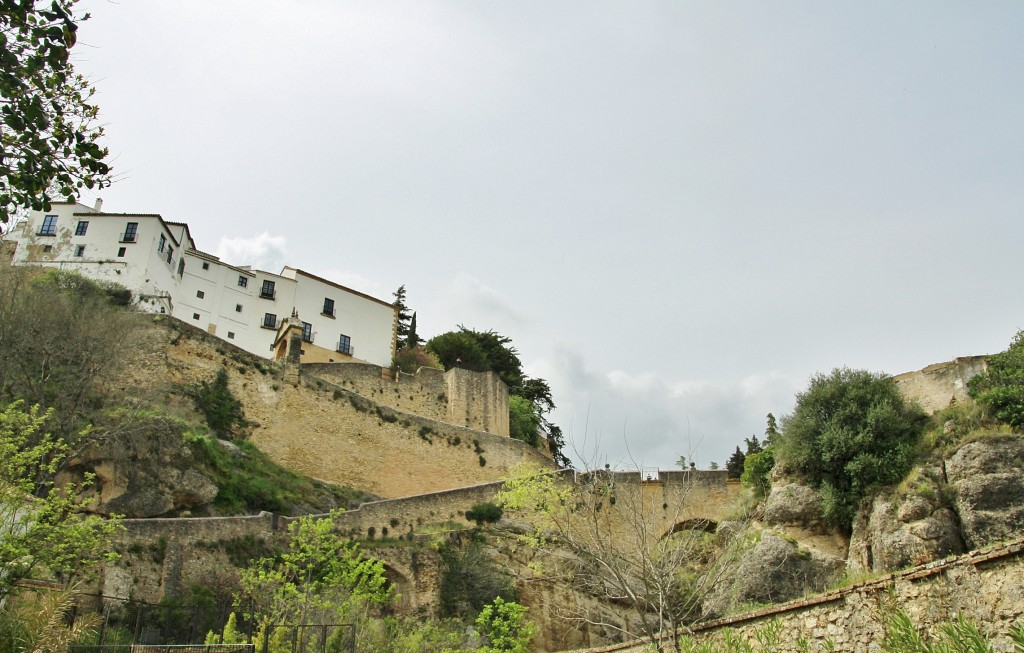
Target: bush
<point>1001,388</point>
<point>411,359</point>
<point>757,471</point>
<point>523,421</point>
<point>850,433</point>
<point>484,513</point>
<point>223,412</point>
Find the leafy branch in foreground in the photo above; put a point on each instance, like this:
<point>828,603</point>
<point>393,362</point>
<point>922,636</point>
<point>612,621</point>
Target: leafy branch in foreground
<point>42,526</point>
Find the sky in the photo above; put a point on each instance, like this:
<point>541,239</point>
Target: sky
<point>679,211</point>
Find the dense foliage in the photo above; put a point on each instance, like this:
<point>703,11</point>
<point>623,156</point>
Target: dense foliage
<point>215,401</point>
<point>42,527</point>
<point>470,580</point>
<point>850,433</point>
<point>1001,387</point>
<point>48,136</point>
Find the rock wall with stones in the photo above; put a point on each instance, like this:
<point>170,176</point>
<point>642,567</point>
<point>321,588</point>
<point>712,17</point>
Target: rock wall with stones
<point>986,587</point>
<point>937,386</point>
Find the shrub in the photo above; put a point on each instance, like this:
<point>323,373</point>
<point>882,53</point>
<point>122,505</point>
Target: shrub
<point>223,412</point>
<point>850,433</point>
<point>1001,388</point>
<point>411,359</point>
<point>757,471</point>
<point>523,421</point>
<point>484,513</point>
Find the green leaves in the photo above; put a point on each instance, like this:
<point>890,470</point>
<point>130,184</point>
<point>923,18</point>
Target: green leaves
<point>850,433</point>
<point>48,142</point>
<point>1001,387</point>
<point>41,526</point>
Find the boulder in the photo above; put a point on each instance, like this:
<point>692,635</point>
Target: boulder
<point>905,526</point>
<point>987,476</point>
<point>147,470</point>
<point>776,569</point>
<point>793,504</point>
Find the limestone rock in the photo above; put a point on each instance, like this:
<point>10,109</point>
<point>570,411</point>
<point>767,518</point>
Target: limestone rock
<point>147,471</point>
<point>904,527</point>
<point>988,478</point>
<point>776,570</point>
<point>793,504</point>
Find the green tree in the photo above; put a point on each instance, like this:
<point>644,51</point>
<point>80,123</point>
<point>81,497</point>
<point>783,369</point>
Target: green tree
<point>771,431</point>
<point>220,407</point>
<point>506,628</point>
<point>1000,388</point>
<point>757,471</point>
<point>320,578</point>
<point>43,528</point>
<point>405,331</point>
<point>850,433</point>
<point>48,134</point>
<point>523,420</point>
<point>734,464</point>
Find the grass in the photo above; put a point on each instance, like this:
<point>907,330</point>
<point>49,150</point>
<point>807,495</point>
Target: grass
<point>250,481</point>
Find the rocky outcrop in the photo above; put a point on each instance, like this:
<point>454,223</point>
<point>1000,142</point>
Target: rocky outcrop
<point>905,526</point>
<point>777,569</point>
<point>144,470</point>
<point>793,504</point>
<point>987,477</point>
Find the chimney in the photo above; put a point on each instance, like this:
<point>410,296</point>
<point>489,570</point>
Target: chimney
<point>98,205</point>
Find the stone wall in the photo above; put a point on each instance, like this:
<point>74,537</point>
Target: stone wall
<point>986,587</point>
<point>475,400</point>
<point>939,385</point>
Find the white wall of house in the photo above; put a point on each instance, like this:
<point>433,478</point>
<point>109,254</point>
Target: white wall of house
<point>336,311</point>
<point>159,262</point>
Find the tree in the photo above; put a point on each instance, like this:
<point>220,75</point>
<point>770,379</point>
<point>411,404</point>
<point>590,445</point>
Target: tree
<point>850,433</point>
<point>412,338</point>
<point>734,464</point>
<point>42,526</point>
<point>504,625</point>
<point>320,578</point>
<point>604,536</point>
<point>771,431</point>
<point>406,322</point>
<point>48,136</point>
<point>757,471</point>
<point>1000,388</point>
<point>410,359</point>
<point>523,421</point>
<point>681,462</point>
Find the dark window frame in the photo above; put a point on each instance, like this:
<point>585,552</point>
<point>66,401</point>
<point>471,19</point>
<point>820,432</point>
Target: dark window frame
<point>268,290</point>
<point>82,227</point>
<point>307,332</point>
<point>49,226</point>
<point>345,344</point>
<point>269,321</point>
<point>131,233</point>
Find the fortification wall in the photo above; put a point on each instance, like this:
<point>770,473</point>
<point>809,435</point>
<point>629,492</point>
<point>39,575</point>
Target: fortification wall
<point>984,586</point>
<point>475,400</point>
<point>939,385</point>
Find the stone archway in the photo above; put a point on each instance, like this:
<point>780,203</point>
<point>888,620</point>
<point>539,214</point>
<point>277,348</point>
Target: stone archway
<point>698,524</point>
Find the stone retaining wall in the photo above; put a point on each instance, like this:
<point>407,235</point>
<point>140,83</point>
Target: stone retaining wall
<point>985,586</point>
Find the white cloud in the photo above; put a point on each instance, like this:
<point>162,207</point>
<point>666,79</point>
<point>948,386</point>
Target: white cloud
<point>468,301</point>
<point>628,419</point>
<point>264,252</point>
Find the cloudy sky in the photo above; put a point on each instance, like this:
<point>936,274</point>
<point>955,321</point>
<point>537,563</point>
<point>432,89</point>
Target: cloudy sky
<point>679,211</point>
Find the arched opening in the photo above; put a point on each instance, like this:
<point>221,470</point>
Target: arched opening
<point>699,524</point>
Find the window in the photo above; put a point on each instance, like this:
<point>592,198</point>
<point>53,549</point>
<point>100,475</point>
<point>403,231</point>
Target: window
<point>206,266</point>
<point>80,250</point>
<point>200,294</point>
<point>160,245</point>
<point>47,249</point>
<point>267,291</point>
<point>231,335</point>
<point>49,227</point>
<point>131,232</point>
<point>181,266</point>
<point>328,306</point>
<point>120,251</point>
<point>307,332</point>
<point>242,282</point>
<point>195,316</point>
<point>238,308</point>
<point>81,227</point>
<point>269,321</point>
<point>345,344</point>
<point>170,254</point>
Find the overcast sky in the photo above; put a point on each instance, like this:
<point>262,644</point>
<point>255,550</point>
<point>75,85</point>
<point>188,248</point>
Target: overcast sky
<point>678,211</point>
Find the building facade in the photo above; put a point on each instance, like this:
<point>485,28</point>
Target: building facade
<point>158,261</point>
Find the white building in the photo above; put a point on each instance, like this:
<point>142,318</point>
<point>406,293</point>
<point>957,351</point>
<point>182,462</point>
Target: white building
<point>160,263</point>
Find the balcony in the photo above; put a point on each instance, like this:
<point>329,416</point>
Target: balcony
<point>344,348</point>
<point>47,231</point>
<point>268,293</point>
<point>270,324</point>
<point>129,237</point>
